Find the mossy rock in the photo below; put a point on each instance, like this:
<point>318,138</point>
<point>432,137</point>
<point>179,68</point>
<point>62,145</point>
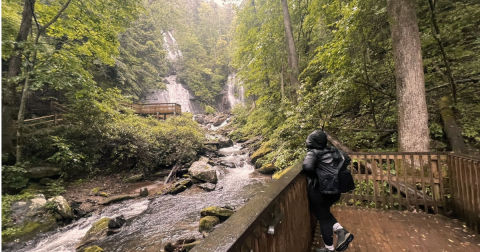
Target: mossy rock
<point>207,223</point>
<point>33,189</point>
<point>267,168</point>
<point>46,181</point>
<point>93,249</point>
<point>95,191</point>
<point>189,246</point>
<point>104,194</point>
<point>119,198</point>
<point>63,208</point>
<point>281,173</point>
<point>180,186</point>
<point>30,229</point>
<point>96,232</point>
<point>220,212</point>
<point>262,151</point>
<point>134,178</point>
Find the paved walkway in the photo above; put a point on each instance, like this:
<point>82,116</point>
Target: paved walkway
<point>392,231</point>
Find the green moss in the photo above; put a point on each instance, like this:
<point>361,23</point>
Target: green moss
<point>267,168</point>
<point>95,190</point>
<point>189,246</point>
<point>281,173</point>
<point>207,223</point>
<point>104,194</point>
<point>262,151</point>
<point>29,230</point>
<point>97,231</point>
<point>220,212</point>
<point>93,249</point>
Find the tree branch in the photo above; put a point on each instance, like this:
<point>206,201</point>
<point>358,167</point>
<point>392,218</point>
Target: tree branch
<point>43,28</point>
<point>375,88</point>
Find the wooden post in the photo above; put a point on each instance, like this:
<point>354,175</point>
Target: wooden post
<point>55,119</point>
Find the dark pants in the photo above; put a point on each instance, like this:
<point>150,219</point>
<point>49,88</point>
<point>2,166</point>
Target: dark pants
<point>320,205</point>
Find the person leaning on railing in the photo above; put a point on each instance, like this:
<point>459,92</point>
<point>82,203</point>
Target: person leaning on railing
<point>328,177</point>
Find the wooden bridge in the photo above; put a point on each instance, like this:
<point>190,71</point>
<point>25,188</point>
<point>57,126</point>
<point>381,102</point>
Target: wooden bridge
<point>403,202</point>
<point>159,110</point>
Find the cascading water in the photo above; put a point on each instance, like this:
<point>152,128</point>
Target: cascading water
<point>235,92</point>
<point>175,92</point>
<point>152,224</point>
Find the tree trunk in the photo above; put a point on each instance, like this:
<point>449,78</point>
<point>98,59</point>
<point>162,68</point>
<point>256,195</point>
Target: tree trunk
<point>413,133</point>
<point>292,53</point>
<point>14,67</point>
<point>282,85</point>
<point>453,132</point>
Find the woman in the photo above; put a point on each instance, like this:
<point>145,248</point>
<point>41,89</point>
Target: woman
<point>322,165</point>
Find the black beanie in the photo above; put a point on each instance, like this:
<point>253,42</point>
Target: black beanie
<point>317,140</point>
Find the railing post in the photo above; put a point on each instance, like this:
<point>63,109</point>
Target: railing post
<point>55,119</point>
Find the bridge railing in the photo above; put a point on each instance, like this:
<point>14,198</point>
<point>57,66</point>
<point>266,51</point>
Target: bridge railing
<point>276,220</point>
<point>464,175</point>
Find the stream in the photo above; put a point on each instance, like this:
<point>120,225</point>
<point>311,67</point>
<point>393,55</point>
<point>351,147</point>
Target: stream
<point>151,224</point>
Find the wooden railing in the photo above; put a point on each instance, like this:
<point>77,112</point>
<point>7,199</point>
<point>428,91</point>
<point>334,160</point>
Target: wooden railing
<point>50,120</point>
<point>429,182</point>
<point>402,181</point>
<point>277,220</point>
<point>158,109</point>
<point>465,187</point>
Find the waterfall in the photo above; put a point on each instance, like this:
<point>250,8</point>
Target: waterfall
<point>175,92</point>
<point>235,92</point>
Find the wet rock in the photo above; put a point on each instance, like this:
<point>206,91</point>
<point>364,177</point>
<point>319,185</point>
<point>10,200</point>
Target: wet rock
<point>116,222</point>
<point>200,119</point>
<point>217,121</point>
<point>46,181</point>
<point>228,164</point>
<point>180,186</point>
<point>144,192</point>
<point>30,218</point>
<point>207,186</point>
<point>220,212</point>
<point>202,171</point>
<point>134,178</point>
<point>93,249</point>
<point>42,172</point>
<point>261,152</point>
<point>97,232</point>
<point>179,245</point>
<point>63,208</point>
<point>225,142</point>
<point>170,247</point>
<point>118,199</point>
<point>207,224</point>
<point>268,169</point>
<point>229,207</point>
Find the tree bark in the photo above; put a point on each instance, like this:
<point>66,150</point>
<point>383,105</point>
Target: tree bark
<point>14,68</point>
<point>413,133</point>
<point>292,52</point>
<point>453,132</point>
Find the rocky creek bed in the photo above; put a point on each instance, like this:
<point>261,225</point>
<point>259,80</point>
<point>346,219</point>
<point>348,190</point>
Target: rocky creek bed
<point>157,222</point>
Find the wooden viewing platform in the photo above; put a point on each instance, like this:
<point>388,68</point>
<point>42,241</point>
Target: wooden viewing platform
<point>390,231</point>
<point>404,201</point>
<point>159,110</point>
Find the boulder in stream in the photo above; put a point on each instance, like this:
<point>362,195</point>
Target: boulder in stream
<point>261,152</point>
<point>97,232</point>
<point>225,142</point>
<point>180,186</point>
<point>202,171</point>
<point>207,186</point>
<point>267,169</point>
<point>143,192</point>
<point>207,224</point>
<point>116,222</point>
<point>63,208</point>
<point>118,198</point>
<point>220,212</point>
<point>30,218</point>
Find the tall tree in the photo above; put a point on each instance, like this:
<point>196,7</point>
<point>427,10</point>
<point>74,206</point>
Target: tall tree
<point>14,68</point>
<point>292,52</point>
<point>413,133</point>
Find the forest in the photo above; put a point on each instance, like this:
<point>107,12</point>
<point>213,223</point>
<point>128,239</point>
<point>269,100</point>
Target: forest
<point>376,75</point>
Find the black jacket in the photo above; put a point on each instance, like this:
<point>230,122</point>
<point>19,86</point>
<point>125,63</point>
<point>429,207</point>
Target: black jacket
<point>322,164</point>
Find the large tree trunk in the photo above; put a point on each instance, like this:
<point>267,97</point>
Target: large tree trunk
<point>292,52</point>
<point>453,132</point>
<point>14,68</point>
<point>413,133</point>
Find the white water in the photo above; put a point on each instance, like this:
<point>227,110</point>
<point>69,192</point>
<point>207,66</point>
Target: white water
<point>235,91</point>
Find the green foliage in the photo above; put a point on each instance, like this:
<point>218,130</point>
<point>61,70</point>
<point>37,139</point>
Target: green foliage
<point>13,178</point>
<point>209,110</point>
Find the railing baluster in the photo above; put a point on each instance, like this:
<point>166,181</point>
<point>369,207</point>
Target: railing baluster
<point>432,184</point>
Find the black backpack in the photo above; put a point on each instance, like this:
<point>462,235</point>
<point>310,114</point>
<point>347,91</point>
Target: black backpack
<point>345,178</point>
